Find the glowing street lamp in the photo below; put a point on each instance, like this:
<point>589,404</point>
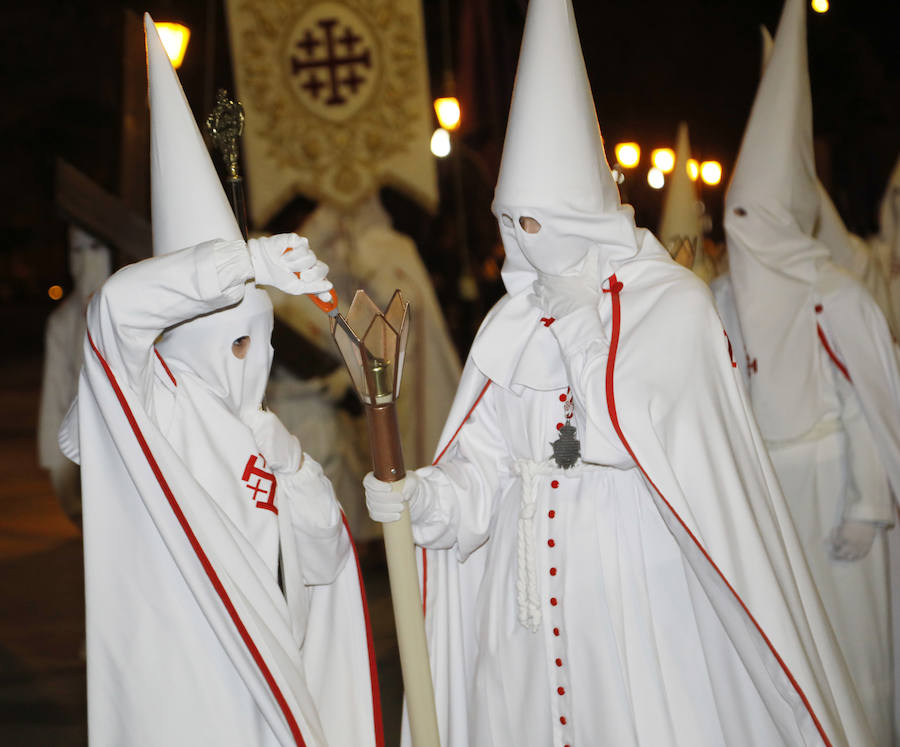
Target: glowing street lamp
<point>663,159</point>
<point>711,172</point>
<point>448,112</point>
<point>440,142</point>
<point>693,169</point>
<point>55,292</point>
<point>820,6</point>
<point>373,346</point>
<point>174,38</point>
<point>628,154</point>
<point>656,178</point>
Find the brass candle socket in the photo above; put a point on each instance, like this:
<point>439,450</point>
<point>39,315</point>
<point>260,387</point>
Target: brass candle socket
<point>373,346</point>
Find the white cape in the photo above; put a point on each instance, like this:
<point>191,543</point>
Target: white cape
<point>676,401</point>
<point>189,638</point>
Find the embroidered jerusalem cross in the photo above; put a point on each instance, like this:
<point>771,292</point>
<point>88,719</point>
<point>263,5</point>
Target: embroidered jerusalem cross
<point>265,484</point>
<point>341,70</point>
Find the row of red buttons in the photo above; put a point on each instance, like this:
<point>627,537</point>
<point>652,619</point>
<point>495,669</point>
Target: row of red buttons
<point>553,571</point>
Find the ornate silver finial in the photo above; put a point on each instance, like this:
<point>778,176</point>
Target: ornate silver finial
<point>225,124</point>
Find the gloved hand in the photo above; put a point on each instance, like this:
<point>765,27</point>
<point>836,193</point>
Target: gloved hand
<point>385,499</point>
<point>279,446</point>
<point>559,295</point>
<point>286,262</point>
<point>852,540</point>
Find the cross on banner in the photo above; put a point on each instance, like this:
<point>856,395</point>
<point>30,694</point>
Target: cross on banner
<point>331,62</point>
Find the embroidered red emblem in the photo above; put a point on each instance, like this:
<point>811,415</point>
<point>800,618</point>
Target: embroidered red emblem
<point>751,365</point>
<point>265,484</point>
<point>547,320</point>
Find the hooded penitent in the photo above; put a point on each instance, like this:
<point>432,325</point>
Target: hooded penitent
<point>550,617</point>
<point>770,211</point>
<point>886,244</point>
<point>189,207</point>
<point>221,606</point>
<point>680,227</point>
<point>823,379</point>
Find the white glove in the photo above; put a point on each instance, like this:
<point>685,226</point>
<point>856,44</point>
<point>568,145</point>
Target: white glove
<point>559,295</point>
<point>279,446</point>
<point>286,262</point>
<point>852,540</point>
<point>385,499</point>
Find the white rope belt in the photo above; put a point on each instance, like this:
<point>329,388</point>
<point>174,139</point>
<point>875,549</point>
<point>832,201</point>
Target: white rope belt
<point>528,602</point>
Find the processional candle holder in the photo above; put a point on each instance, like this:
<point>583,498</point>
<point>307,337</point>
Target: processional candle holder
<point>373,346</point>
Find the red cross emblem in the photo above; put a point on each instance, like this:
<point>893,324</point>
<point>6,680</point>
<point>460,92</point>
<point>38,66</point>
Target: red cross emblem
<point>340,71</point>
<point>265,484</point>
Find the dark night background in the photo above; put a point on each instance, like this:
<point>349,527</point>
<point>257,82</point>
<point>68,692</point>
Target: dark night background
<point>651,64</point>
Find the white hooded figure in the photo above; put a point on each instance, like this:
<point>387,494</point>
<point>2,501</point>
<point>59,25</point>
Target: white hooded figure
<point>823,378</point>
<point>886,244</point>
<point>680,226</point>
<point>367,252</point>
<point>223,602</point>
<point>90,264</point>
<point>606,557</point>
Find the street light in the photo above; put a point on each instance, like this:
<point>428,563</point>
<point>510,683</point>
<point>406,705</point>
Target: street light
<point>711,172</point>
<point>656,178</point>
<point>663,159</point>
<point>628,154</point>
<point>693,169</point>
<point>448,112</point>
<point>820,6</point>
<point>174,38</point>
<point>440,142</point>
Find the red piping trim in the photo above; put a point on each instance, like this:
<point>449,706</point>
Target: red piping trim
<point>615,288</point>
<point>831,353</point>
<point>201,555</point>
<point>437,459</point>
<point>165,366</point>
<point>373,669</point>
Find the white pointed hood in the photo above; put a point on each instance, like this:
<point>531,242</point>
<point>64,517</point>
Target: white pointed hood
<point>189,207</point>
<point>774,179</point>
<point>680,227</point>
<point>770,211</point>
<point>831,231</point>
<point>554,170</point>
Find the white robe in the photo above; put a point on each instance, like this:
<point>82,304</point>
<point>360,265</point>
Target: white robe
<point>674,604</point>
<point>189,638</point>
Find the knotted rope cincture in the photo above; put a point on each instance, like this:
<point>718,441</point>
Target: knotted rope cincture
<point>527,599</point>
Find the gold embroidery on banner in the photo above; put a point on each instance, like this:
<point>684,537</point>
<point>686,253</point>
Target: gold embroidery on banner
<point>335,84</point>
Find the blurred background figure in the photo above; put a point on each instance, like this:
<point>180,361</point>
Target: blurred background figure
<point>365,252</point>
<point>681,224</point>
<point>89,264</point>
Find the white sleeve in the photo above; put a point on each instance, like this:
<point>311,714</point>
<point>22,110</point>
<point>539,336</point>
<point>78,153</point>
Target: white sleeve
<point>140,301</point>
<point>322,545</point>
<point>459,494</point>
